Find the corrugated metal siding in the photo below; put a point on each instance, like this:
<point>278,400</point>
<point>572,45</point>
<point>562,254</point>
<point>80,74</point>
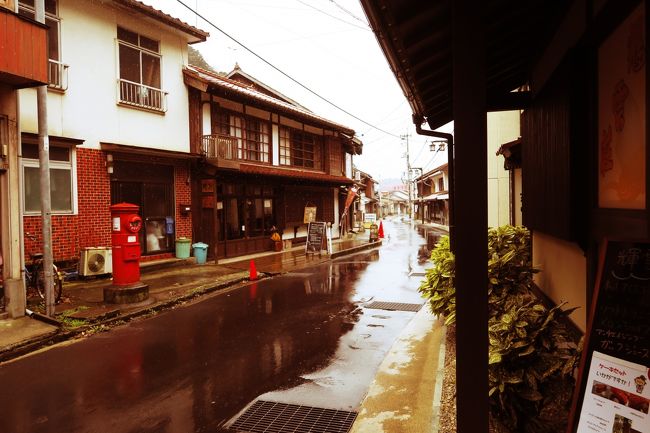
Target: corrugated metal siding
<point>23,53</point>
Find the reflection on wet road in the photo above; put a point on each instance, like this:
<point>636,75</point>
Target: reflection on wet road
<point>296,338</point>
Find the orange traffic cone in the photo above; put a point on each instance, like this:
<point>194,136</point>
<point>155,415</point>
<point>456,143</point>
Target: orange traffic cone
<point>253,272</point>
<point>381,230</point>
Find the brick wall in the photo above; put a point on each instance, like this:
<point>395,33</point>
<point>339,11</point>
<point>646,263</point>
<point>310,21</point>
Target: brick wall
<point>91,227</point>
<point>183,194</point>
<point>94,198</point>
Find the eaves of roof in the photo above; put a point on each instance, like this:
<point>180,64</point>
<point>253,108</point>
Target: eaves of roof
<point>294,174</point>
<point>229,86</point>
<point>417,39</point>
<point>198,34</point>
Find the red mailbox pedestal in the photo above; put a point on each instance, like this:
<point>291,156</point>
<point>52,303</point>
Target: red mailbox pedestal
<point>127,287</point>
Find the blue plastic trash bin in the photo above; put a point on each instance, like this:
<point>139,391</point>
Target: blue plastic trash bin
<point>200,252</point>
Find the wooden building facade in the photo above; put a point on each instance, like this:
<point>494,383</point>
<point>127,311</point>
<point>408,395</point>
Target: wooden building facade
<point>267,162</point>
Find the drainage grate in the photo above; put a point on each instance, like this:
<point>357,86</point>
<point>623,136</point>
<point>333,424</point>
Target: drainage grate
<point>271,417</point>
<point>394,306</point>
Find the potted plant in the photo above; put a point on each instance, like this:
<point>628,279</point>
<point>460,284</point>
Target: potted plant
<point>277,239</point>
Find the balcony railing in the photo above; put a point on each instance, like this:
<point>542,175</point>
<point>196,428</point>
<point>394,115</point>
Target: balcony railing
<point>139,95</point>
<point>217,146</point>
<point>57,74</point>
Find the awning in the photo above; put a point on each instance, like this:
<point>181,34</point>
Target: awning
<point>511,151</point>
<point>295,175</point>
<point>436,196</point>
<point>147,151</point>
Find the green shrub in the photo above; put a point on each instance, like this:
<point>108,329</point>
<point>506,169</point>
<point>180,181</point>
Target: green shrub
<point>531,358</point>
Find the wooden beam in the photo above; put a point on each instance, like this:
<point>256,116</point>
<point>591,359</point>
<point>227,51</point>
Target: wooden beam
<point>470,244</point>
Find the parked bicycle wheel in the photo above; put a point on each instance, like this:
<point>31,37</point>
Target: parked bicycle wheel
<point>40,283</point>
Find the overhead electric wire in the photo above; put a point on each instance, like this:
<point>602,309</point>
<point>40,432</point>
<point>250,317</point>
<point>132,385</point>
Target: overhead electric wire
<point>333,16</point>
<point>284,73</point>
<point>349,13</point>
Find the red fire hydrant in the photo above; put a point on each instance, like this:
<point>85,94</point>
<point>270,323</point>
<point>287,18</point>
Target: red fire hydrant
<point>126,224</point>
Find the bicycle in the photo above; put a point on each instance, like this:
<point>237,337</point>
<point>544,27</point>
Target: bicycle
<point>35,275</point>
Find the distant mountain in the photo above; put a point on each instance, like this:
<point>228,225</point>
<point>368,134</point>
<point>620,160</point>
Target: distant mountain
<point>195,58</point>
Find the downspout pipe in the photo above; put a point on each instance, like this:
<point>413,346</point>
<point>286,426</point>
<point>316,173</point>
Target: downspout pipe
<point>418,120</point>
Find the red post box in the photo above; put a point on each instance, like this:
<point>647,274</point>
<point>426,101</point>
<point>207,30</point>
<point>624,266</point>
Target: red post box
<point>126,245</point>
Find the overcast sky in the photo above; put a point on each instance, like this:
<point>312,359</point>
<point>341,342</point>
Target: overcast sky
<point>327,46</point>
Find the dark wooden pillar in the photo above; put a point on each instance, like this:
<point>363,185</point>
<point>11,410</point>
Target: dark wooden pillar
<point>470,136</point>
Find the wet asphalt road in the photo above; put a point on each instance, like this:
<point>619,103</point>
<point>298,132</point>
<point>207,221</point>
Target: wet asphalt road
<point>303,338</point>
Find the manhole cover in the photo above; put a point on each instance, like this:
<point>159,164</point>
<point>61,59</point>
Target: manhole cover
<point>272,417</point>
<point>394,306</point>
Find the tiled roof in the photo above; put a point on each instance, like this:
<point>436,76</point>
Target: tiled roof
<point>161,16</point>
<point>293,173</point>
<point>264,99</point>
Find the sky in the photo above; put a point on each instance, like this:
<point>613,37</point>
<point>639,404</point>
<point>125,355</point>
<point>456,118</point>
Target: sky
<point>327,46</point>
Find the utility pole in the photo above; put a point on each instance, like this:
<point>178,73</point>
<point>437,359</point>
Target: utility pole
<point>44,171</point>
<point>408,176</point>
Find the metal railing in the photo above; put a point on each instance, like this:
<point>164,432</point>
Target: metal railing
<point>57,75</point>
<point>220,146</point>
<point>140,95</point>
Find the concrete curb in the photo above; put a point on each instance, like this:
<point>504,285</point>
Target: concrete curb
<point>356,249</point>
<point>440,378</point>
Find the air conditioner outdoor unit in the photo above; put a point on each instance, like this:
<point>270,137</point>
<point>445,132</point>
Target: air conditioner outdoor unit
<point>95,261</point>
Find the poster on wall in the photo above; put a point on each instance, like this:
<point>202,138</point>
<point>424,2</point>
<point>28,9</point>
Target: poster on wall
<point>613,394</point>
<point>621,116</point>
<point>309,215</point>
<point>617,397</point>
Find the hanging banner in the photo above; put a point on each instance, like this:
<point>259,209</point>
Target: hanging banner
<point>352,193</point>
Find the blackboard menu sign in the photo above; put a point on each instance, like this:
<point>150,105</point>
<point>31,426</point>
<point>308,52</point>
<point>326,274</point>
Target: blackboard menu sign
<point>316,237</point>
<point>614,394</point>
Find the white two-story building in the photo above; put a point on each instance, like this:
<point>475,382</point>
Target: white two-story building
<point>118,125</point>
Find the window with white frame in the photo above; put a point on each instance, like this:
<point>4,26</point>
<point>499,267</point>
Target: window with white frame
<point>140,80</point>
<point>62,179</point>
<point>57,71</point>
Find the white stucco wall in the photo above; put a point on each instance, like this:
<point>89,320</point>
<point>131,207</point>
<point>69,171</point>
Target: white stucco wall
<point>503,126</point>
<point>563,274</point>
<point>88,108</point>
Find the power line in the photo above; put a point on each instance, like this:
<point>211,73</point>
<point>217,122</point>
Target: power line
<point>348,12</point>
<point>284,73</point>
<point>333,16</point>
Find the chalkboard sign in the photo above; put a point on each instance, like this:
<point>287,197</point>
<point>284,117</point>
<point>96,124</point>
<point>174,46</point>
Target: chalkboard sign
<point>316,236</point>
<point>612,394</point>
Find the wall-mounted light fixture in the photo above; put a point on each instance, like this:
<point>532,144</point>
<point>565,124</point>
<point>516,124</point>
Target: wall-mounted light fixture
<point>109,163</point>
<point>185,209</point>
<point>440,144</point>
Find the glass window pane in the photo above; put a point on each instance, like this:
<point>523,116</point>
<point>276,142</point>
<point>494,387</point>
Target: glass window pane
<point>232,226</point>
<point>30,150</point>
<point>53,39</point>
<point>256,217</point>
<point>50,6</point>
<point>128,36</point>
<point>32,189</point>
<point>59,154</point>
<point>129,64</point>
<point>61,187</point>
<point>156,203</point>
<point>151,70</point>
<point>149,44</point>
